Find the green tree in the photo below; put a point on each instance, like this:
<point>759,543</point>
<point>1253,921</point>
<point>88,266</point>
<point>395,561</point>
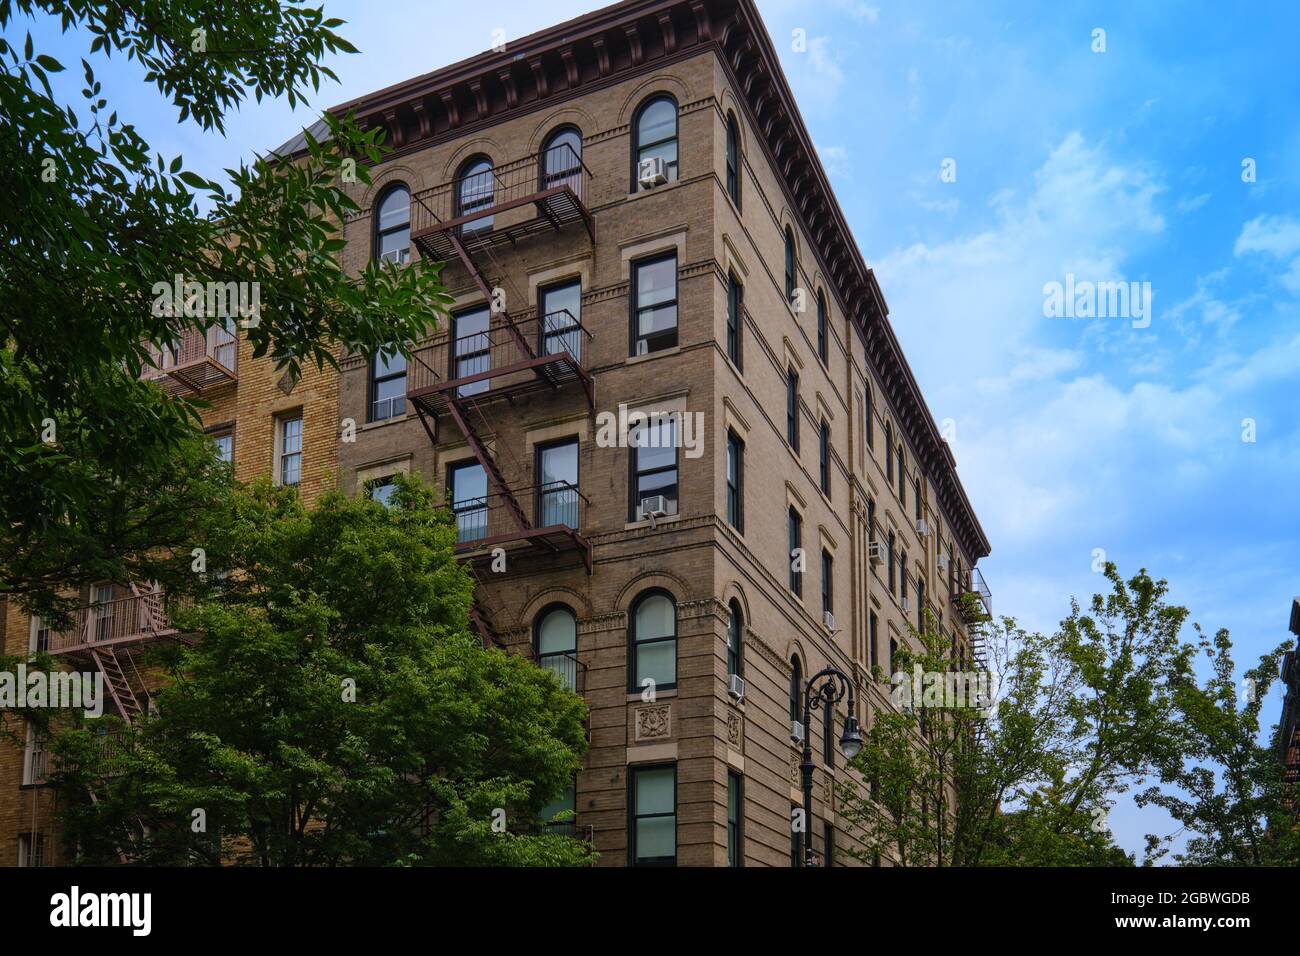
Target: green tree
<point>92,221</point>
<point>1079,716</point>
<point>1227,792</point>
<point>334,710</point>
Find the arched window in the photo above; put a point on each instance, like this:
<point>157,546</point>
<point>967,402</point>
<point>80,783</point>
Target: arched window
<point>902,476</point>
<point>868,414</point>
<point>735,632</point>
<point>475,190</point>
<point>561,160</point>
<point>652,641</point>
<point>889,452</point>
<point>790,279</point>
<point>733,159</point>
<point>654,136</point>
<point>822,345</point>
<point>796,688</point>
<point>555,638</point>
<point>393,225</point>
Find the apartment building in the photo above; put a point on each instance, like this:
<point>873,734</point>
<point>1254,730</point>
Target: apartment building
<point>688,461</point>
<point>262,421</point>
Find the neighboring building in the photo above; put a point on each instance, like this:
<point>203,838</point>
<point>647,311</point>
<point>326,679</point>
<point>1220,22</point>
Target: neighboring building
<point>263,422</point>
<point>1288,738</point>
<point>635,220</point>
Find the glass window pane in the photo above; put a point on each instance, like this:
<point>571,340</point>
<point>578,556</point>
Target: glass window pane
<point>655,617</point>
<point>654,790</point>
<point>558,633</point>
<point>658,662</point>
<point>560,463</point>
<point>395,210</point>
<point>656,837</point>
<point>566,800</point>
<point>658,121</point>
<point>656,282</point>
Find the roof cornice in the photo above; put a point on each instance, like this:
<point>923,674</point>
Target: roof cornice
<point>628,38</point>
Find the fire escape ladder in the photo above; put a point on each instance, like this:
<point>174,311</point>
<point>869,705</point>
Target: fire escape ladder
<point>542,371</point>
<point>498,481</point>
<point>119,688</point>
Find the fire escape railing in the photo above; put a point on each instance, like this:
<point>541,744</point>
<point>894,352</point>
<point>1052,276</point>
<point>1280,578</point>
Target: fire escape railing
<point>453,376</point>
<point>198,361</point>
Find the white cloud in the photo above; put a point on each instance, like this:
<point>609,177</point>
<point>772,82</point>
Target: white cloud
<point>1277,237</point>
<point>1192,203</point>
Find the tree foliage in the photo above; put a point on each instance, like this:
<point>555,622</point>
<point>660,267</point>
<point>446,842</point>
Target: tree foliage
<point>92,220</point>
<point>334,710</point>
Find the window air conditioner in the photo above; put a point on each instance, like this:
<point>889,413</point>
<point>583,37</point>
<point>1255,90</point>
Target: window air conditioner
<point>796,731</point>
<point>906,606</point>
<point>399,256</point>
<point>876,552</point>
<point>922,528</point>
<point>652,172</point>
<point>943,562</point>
<point>828,618</point>
<point>654,506</point>
<point>736,687</point>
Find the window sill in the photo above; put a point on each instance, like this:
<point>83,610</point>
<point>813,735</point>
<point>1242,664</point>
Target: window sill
<point>661,693</point>
<point>645,522</point>
<point>368,426</point>
<point>651,356</point>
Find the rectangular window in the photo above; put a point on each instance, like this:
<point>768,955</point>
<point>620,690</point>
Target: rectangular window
<point>735,801</point>
<point>735,320</point>
<point>557,484</point>
<point>824,458</point>
<point>654,465</point>
<point>31,849</point>
<point>224,443</point>
<point>654,304</point>
<point>873,635</point>
<point>796,552</point>
<point>387,387</point>
<point>902,477</point>
<point>868,415</point>
<point>735,481</point>
<point>652,801</point>
<point>889,461</point>
<point>290,447</point>
<point>828,845</point>
<point>916,489</point>
<point>39,639</point>
<point>902,574</point>
<point>467,482</point>
<point>792,409</point>
<point>828,582</point>
<point>920,603</point>
<point>471,349</point>
<point>34,757</point>
<point>382,489</point>
<point>103,611</point>
<point>889,561</point>
<point>893,649</point>
<point>560,307</point>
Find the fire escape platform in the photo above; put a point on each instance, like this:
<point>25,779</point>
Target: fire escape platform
<point>200,375</point>
<point>543,212</point>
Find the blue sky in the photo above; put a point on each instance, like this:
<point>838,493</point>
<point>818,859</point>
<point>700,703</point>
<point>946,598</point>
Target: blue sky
<point>1070,434</point>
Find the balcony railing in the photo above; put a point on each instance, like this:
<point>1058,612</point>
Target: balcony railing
<point>542,192</point>
<point>506,358</point>
<point>138,617</point>
<point>38,761</point>
<point>557,511</point>
<point>200,360</point>
<point>571,671</point>
<point>971,581</point>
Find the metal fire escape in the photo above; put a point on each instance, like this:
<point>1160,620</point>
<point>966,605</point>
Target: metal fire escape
<point>459,376</point>
<point>105,632</point>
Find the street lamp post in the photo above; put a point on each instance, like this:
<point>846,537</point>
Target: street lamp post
<point>835,685</point>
